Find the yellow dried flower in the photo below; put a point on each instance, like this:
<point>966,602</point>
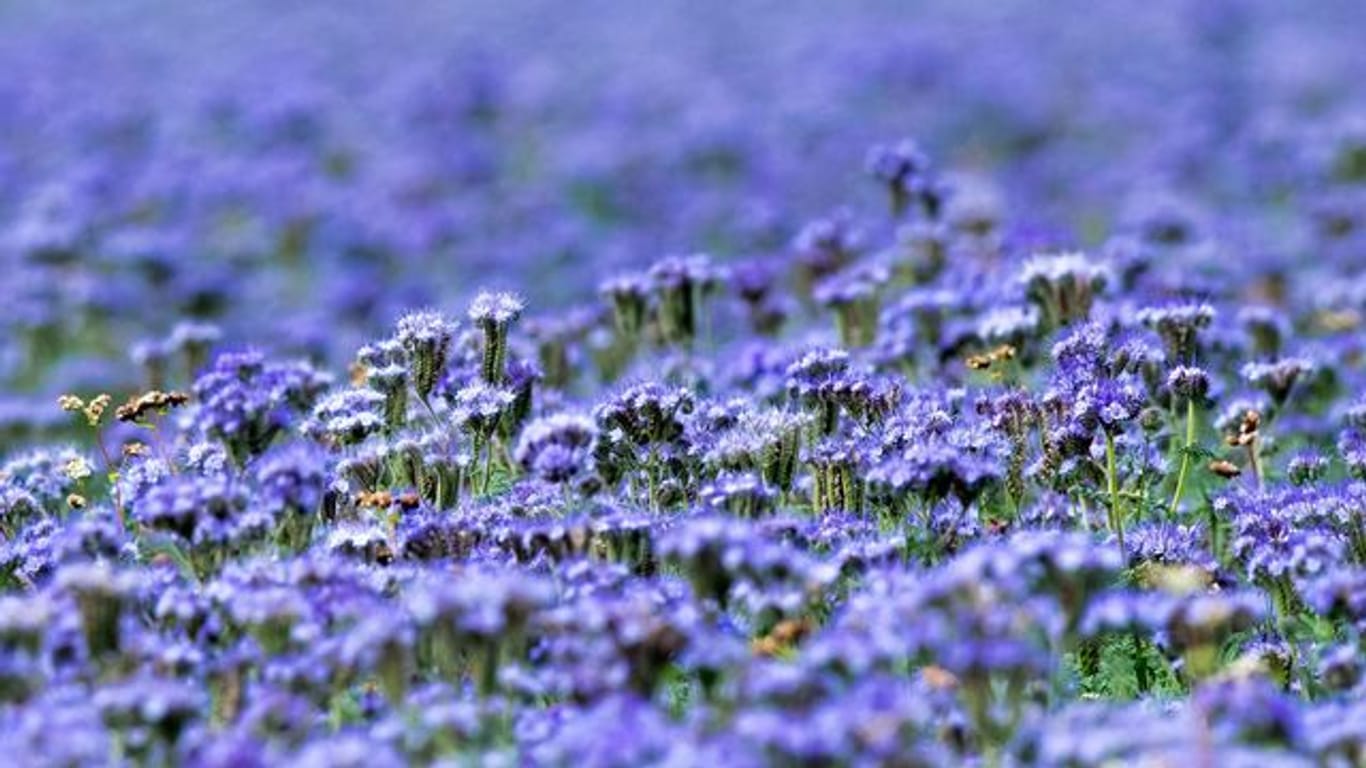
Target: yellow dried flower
<point>1225,469</point>
<point>94,411</point>
<point>70,403</point>
<point>1179,579</point>
<point>358,374</point>
<point>939,678</point>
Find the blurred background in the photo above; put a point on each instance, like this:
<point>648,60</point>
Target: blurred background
<point>297,174</point>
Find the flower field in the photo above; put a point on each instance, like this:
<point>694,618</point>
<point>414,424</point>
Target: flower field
<point>683,384</point>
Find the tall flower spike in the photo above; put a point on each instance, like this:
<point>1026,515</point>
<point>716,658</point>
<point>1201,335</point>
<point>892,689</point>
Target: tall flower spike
<point>825,246</point>
<point>903,168</point>
<point>1277,378</point>
<point>1063,286</point>
<point>812,380</point>
<point>194,341</point>
<point>426,337</point>
<point>392,382</point>
<point>1179,325</point>
<point>630,299</point>
<point>681,283</point>
<point>853,295</point>
<point>494,313</point>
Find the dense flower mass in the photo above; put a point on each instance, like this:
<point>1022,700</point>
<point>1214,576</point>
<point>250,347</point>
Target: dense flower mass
<point>618,386</point>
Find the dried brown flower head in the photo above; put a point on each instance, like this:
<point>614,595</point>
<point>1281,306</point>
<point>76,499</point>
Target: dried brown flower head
<point>156,402</point>
<point>1225,469</point>
<point>375,499</point>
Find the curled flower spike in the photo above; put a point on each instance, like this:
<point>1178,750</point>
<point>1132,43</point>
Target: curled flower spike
<point>247,402</point>
<point>904,169</point>
<point>494,313</point>
<point>854,297</point>
<point>1179,325</point>
<point>826,245</point>
<point>392,382</point>
<point>1307,468</point>
<point>1277,378</point>
<point>680,284</point>
<point>347,417</point>
<point>478,408</point>
<point>426,338</point>
<point>1189,383</point>
<point>1063,286</point>
<point>629,296</point>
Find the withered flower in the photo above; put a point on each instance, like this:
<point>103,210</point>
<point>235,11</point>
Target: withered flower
<point>139,407</point>
<point>1225,469</point>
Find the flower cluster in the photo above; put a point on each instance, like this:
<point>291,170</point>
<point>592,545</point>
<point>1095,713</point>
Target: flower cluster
<point>1059,459</point>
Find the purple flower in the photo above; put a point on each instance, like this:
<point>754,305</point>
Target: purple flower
<point>1277,378</point>
<point>557,448</point>
<point>1179,325</point>
<point>346,417</point>
<point>1189,383</point>
<point>247,402</point>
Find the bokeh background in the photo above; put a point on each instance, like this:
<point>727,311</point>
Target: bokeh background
<point>297,174</point>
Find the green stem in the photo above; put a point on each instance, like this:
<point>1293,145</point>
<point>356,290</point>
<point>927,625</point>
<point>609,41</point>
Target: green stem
<point>1112,480</point>
<point>488,467</point>
<point>112,474</point>
<point>1185,455</point>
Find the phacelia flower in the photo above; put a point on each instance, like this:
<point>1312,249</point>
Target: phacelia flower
<point>426,337</point>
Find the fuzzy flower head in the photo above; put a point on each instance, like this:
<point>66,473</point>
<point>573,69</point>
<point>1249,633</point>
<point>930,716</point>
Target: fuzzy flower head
<point>1010,324</point>
<point>765,441</point>
<point>495,308</point>
<point>853,296</point>
<point>1080,357</point>
<point>647,413</point>
<point>827,245</point>
<point>896,164</point>
<point>814,380</point>
<point>1307,467</point>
